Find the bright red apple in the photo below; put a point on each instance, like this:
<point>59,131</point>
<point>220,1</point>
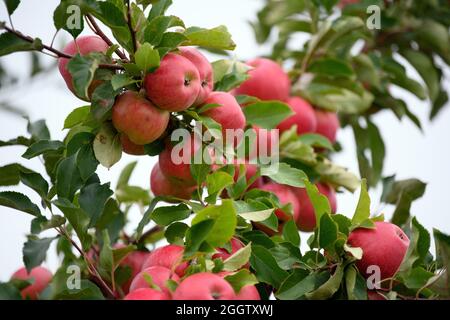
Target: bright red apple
<point>248,293</point>
<point>303,117</point>
<point>204,286</point>
<point>134,260</point>
<point>147,294</point>
<point>327,124</point>
<point>159,277</point>
<point>170,257</point>
<point>286,196</point>
<point>41,278</point>
<point>162,186</point>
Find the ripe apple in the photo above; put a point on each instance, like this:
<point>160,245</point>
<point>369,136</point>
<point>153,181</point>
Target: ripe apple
<point>250,171</point>
<point>375,295</point>
<point>131,148</point>
<point>170,257</point>
<point>41,278</point>
<point>162,186</point>
<point>306,218</point>
<point>285,195</point>
<point>82,45</point>
<point>327,124</point>
<point>147,294</point>
<point>385,247</point>
<point>303,117</point>
<point>175,85</point>
<point>267,81</point>
<point>223,253</point>
<point>266,140</point>
<point>248,292</point>
<point>138,118</point>
<point>204,286</point>
<point>205,72</point>
<point>159,277</point>
<point>134,260</point>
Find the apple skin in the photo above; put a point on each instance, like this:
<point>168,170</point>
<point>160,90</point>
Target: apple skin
<point>384,246</point>
<point>82,45</point>
<point>223,254</point>
<point>267,81</point>
<point>344,3</point>
<point>134,260</point>
<point>248,292</point>
<point>250,171</point>
<point>138,118</point>
<point>307,219</point>
<point>175,85</point>
<point>205,72</point>
<point>229,114</point>
<point>147,294</point>
<point>267,137</point>
<point>285,195</point>
<point>303,117</point>
<point>374,295</point>
<point>327,124</point>
<point>170,257</point>
<point>42,277</point>
<point>159,276</point>
<point>131,148</point>
<point>204,286</point>
<point>162,186</point>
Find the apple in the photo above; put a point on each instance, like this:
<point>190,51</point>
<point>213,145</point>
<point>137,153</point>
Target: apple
<point>223,253</point>
<point>248,292</point>
<point>228,114</point>
<point>82,45</point>
<point>159,277</point>
<point>131,148</point>
<point>267,81</point>
<point>250,171</point>
<point>285,196</point>
<point>306,218</point>
<point>175,85</point>
<point>327,124</point>
<point>40,278</point>
<point>204,286</point>
<point>375,295</point>
<point>147,294</point>
<point>385,247</point>
<point>170,257</point>
<point>266,140</point>
<point>205,72</point>
<point>138,118</point>
<point>344,3</point>
<point>303,117</point>
<point>162,186</point>
<point>134,260</point>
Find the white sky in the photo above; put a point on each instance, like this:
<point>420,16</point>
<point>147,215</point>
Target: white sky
<point>409,152</point>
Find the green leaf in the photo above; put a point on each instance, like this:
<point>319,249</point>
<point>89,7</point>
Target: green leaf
<point>154,32</point>
<point>217,181</point>
<point>238,259</point>
<point>319,201</point>
<point>159,7</point>
<point>328,232</point>
<point>336,175</point>
<point>331,68</point>
<point>355,284</point>
<point>92,200</point>
<point>418,247</point>
<point>147,58</point>
<point>316,140</point>
<point>241,279</point>
<point>11,5</point>
<point>197,235</point>
<point>362,211</point>
<point>216,38</point>
<point>41,147</point>
<point>121,80</point>
<point>10,43</point>
<point>68,179</point>
<point>266,267</point>
<point>290,233</point>
<point>62,15</point>
<point>19,202</point>
<point>87,291</point>
<point>36,182</point>
<point>256,216</point>
<point>329,288</point>
<point>82,69</point>
<point>133,194</point>
<point>77,116</point>
<point>285,174</point>
<point>9,292</point>
<point>299,283</point>
<point>35,251</point>
<point>125,174</point>
<point>166,215</point>
<point>176,232</point>
<point>107,146</point>
<point>266,114</point>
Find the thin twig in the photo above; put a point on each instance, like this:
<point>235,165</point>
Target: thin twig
<point>133,35</point>
<point>148,233</point>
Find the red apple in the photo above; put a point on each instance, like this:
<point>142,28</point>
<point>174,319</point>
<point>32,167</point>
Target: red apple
<point>134,260</point>
<point>162,186</point>
<point>138,118</point>
<point>131,148</point>
<point>266,140</point>
<point>175,85</point>
<point>204,70</point>
<point>159,276</point>
<point>385,247</point>
<point>303,117</point>
<point>285,195</point>
<point>170,257</point>
<point>204,286</point>
<point>147,294</point>
<point>250,171</point>
<point>375,295</point>
<point>306,218</point>
<point>327,124</point>
<point>223,253</point>
<point>82,45</point>
<point>40,277</point>
<point>267,81</point>
<point>248,293</point>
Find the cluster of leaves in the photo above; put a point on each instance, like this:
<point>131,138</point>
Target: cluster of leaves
<point>350,64</point>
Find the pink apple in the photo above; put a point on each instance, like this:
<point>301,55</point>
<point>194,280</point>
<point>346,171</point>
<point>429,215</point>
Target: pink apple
<point>303,117</point>
<point>286,196</point>
<point>248,293</point>
<point>162,186</point>
<point>159,276</point>
<point>170,257</point>
<point>204,70</point>
<point>134,260</point>
<point>147,294</point>
<point>267,81</point>
<point>40,277</point>
<point>327,124</point>
<point>204,286</point>
<point>175,85</point>
<point>223,253</point>
<point>385,247</point>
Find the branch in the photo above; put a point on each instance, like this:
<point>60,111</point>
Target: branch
<point>148,234</point>
<point>133,35</point>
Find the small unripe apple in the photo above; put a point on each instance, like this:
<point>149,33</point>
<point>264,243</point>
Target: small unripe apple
<point>205,72</point>
<point>159,277</point>
<point>162,186</point>
<point>204,286</point>
<point>175,85</point>
<point>130,147</point>
<point>385,247</point>
<point>138,118</point>
<point>41,278</point>
<point>286,196</point>
<point>147,294</point>
<point>267,81</point>
<point>303,117</point>
<point>306,218</point>
<point>82,45</point>
<point>170,257</point>
<point>327,124</point>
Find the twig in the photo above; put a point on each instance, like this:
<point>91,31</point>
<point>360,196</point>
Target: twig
<point>148,233</point>
<point>133,35</point>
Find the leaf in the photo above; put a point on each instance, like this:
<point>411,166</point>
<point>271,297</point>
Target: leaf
<point>68,179</point>
<point>9,292</point>
<point>125,174</point>
<point>257,216</point>
<point>147,58</point>
<point>328,232</point>
<point>159,7</point>
<point>285,174</point>
<point>316,140</point>
<point>290,233</point>
<point>418,247</point>
<point>107,146</point>
<point>82,69</point>
<point>164,216</point>
<point>133,194</point>
<point>10,43</point>
<point>121,80</point>
<point>362,211</point>
<point>176,232</point>
<point>216,38</point>
<point>266,267</point>
<point>11,5</point>
<point>229,74</point>
<point>154,31</point>
<point>36,182</point>
<point>41,147</point>
<point>217,181</point>
<point>266,114</point>
<point>331,68</point>
<point>92,200</point>
<point>329,288</point>
<point>299,283</point>
<point>87,291</point>
<point>35,251</point>
<point>77,116</point>
<point>319,201</point>
<point>196,235</point>
<point>19,202</point>
<point>241,279</point>
<point>102,100</point>
<point>238,259</point>
<point>355,284</point>
<point>336,175</point>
